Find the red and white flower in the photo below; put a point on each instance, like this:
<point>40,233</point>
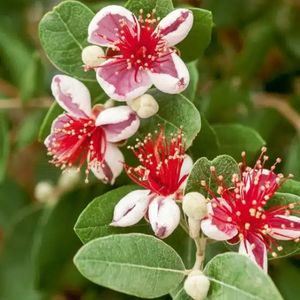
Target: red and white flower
<point>163,171</point>
<point>86,134</point>
<point>244,213</point>
<point>140,51</point>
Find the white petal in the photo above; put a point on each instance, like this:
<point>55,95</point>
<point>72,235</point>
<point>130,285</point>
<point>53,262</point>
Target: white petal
<point>286,234</point>
<point>119,123</point>
<point>171,76</point>
<point>176,26</point>
<point>72,95</point>
<point>131,208</point>
<point>120,83</point>
<point>164,216</point>
<point>214,233</point>
<point>107,23</point>
<point>245,249</point>
<point>112,165</point>
<point>186,166</point>
<point>186,169</point>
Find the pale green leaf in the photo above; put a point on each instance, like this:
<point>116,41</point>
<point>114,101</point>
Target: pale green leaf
<point>63,35</point>
<point>95,219</point>
<point>225,165</point>
<point>135,264</point>
<point>235,276</point>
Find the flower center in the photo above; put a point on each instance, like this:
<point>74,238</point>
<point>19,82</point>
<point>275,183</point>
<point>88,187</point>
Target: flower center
<point>76,141</point>
<point>140,44</point>
<point>161,163</point>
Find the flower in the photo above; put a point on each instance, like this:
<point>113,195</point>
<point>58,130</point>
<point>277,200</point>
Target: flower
<point>163,170</point>
<point>243,213</point>
<point>88,134</point>
<point>140,51</point>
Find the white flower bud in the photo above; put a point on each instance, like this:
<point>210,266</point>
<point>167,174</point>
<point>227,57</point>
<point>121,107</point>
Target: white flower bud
<point>197,285</point>
<point>131,208</point>
<point>92,56</point>
<point>194,205</point>
<point>45,192</point>
<point>194,227</point>
<point>69,179</point>
<point>164,216</point>
<point>145,106</point>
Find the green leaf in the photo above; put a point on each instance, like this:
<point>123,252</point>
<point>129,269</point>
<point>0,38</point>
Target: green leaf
<point>293,158</point>
<point>63,34</point>
<point>135,264</point>
<point>16,56</point>
<point>206,144</point>
<point>175,111</point>
<point>5,145</point>
<point>33,79</point>
<point>162,7</point>
<point>13,198</point>
<point>190,91</point>
<point>235,138</point>
<point>291,187</point>
<point>235,276</point>
<point>289,247</point>
<point>95,219</point>
<point>57,243</point>
<point>54,111</point>
<point>29,129</point>
<point>193,46</point>
<point>16,264</point>
<point>225,165</point>
<point>180,294</point>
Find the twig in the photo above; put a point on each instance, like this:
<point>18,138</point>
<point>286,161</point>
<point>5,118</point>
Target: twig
<point>200,252</point>
<point>279,103</point>
<point>16,103</point>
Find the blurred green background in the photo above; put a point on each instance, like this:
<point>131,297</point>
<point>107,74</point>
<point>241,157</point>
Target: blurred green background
<point>250,74</point>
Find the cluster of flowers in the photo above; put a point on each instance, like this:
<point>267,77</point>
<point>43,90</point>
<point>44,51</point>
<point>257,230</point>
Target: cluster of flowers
<point>140,52</point>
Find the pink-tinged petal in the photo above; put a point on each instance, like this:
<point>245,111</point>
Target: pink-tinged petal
<point>106,25</point>
<point>256,250</point>
<point>72,96</point>
<point>170,75</point>
<point>112,165</point>
<point>119,123</point>
<point>131,208</point>
<point>176,25</point>
<point>186,166</point>
<point>121,83</point>
<point>164,216</point>
<point>186,169</point>
<point>285,227</point>
<point>214,233</point>
<point>59,122</point>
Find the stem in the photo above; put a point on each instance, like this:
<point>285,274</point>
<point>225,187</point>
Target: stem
<point>280,104</point>
<point>200,252</point>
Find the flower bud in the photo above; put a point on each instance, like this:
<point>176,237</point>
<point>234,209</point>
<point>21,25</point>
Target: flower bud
<point>194,205</point>
<point>45,192</point>
<point>92,56</point>
<point>69,179</point>
<point>164,216</point>
<point>197,285</point>
<point>131,208</point>
<point>145,106</point>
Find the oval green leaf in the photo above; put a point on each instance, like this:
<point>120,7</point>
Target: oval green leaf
<point>225,165</point>
<point>235,276</point>
<point>235,138</point>
<point>200,32</point>
<point>135,264</point>
<point>162,7</point>
<point>63,35</point>
<point>95,219</point>
<point>175,111</point>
